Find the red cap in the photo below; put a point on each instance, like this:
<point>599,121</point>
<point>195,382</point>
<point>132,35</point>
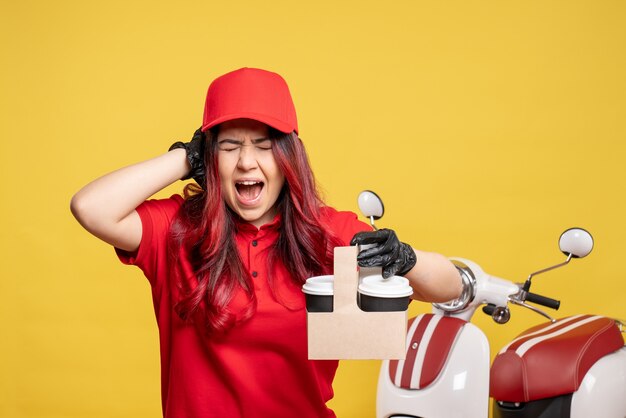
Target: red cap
<point>250,93</point>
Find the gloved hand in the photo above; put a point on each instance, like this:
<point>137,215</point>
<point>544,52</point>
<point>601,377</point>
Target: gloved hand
<point>393,256</point>
<point>195,156</point>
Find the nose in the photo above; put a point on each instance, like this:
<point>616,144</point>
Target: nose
<point>247,158</point>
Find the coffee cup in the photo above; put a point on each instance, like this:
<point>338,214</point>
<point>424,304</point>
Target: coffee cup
<point>318,292</point>
<point>377,294</point>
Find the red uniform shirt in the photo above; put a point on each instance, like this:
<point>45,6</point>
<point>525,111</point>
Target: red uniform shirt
<point>260,368</point>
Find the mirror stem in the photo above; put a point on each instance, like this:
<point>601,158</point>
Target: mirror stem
<point>526,287</point>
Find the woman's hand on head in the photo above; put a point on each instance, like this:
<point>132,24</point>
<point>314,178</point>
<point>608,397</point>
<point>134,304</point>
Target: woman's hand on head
<point>195,156</point>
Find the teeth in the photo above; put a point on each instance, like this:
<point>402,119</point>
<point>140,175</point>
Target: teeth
<point>248,182</point>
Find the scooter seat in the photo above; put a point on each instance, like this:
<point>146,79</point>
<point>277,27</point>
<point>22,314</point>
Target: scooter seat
<point>552,359</point>
<point>428,344</point>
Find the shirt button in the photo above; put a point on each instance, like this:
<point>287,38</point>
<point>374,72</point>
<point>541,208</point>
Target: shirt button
<point>254,243</point>
<point>254,274</point>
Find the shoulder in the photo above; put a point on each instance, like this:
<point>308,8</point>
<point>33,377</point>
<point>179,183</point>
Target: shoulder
<point>333,215</point>
<point>344,224</point>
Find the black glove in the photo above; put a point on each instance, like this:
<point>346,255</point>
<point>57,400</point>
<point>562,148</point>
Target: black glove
<point>393,256</point>
<point>195,156</point>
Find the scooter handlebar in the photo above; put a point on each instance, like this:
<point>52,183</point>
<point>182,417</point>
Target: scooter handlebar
<point>543,300</point>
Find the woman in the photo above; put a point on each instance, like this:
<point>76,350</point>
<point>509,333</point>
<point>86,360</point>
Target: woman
<point>226,263</point>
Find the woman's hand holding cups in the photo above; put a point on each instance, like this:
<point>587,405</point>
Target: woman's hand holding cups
<point>395,257</point>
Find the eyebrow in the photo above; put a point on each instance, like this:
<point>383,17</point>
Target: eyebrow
<point>238,141</point>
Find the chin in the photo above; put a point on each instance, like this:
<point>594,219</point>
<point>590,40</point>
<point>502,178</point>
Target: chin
<point>250,216</point>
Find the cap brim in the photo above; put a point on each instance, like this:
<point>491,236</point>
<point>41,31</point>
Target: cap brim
<point>268,120</point>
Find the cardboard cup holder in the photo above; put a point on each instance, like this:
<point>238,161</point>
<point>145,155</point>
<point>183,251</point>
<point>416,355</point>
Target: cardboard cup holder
<point>338,328</point>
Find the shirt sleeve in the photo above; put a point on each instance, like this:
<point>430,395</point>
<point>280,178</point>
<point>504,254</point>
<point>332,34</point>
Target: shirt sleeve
<point>156,217</point>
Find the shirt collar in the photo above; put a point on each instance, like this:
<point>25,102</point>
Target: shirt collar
<point>247,227</point>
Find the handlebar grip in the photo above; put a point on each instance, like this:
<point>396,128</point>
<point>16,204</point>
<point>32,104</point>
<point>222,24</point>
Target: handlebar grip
<point>544,301</point>
<point>489,309</point>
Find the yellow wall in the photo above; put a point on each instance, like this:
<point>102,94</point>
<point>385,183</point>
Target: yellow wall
<point>488,127</point>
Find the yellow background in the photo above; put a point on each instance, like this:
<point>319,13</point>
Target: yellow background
<point>488,127</point>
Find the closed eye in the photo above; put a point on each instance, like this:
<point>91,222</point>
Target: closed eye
<point>229,145</point>
<point>264,144</point>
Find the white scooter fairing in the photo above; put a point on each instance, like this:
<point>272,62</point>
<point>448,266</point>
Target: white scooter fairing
<point>456,389</point>
<point>603,390</point>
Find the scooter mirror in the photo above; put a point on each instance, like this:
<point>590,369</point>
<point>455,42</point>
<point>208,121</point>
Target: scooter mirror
<point>370,205</point>
<point>577,242</point>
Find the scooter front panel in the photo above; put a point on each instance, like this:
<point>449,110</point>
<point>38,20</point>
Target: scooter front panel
<point>429,340</point>
<point>461,389</point>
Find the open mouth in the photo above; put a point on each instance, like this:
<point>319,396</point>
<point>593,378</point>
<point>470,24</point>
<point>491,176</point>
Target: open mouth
<point>249,190</point>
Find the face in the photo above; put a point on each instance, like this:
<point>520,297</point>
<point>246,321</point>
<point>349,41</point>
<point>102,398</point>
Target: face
<point>250,178</point>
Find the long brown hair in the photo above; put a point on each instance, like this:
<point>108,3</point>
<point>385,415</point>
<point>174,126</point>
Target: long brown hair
<point>205,227</point>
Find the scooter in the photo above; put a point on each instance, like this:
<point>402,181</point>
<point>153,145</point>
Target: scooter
<point>572,367</point>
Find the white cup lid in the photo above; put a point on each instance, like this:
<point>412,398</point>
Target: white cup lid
<point>319,285</point>
<point>393,287</point>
